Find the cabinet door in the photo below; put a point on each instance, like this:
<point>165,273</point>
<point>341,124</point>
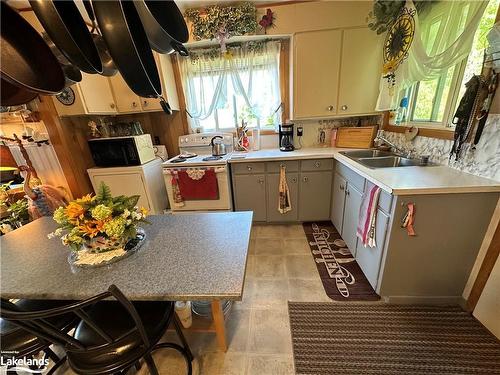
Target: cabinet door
<point>250,194</point>
<point>316,71</point>
<point>273,215</point>
<point>125,184</point>
<point>369,258</point>
<point>126,100</point>
<point>97,94</point>
<point>351,214</point>
<point>150,104</point>
<point>169,88</point>
<point>360,71</point>
<point>314,195</point>
<point>338,200</point>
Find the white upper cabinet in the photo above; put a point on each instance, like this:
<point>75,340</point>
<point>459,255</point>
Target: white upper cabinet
<point>316,73</point>
<point>360,71</point>
<point>97,94</point>
<point>336,72</point>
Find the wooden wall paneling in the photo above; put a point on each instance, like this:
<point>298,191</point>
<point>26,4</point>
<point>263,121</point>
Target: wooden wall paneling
<point>68,137</point>
<point>285,79</point>
<point>180,94</point>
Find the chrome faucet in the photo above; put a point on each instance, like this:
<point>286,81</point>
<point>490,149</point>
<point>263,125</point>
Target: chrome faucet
<point>399,150</point>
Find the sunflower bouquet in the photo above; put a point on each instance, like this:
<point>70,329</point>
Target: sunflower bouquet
<point>99,223</point>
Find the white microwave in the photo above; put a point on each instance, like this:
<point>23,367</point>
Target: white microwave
<point>122,151</point>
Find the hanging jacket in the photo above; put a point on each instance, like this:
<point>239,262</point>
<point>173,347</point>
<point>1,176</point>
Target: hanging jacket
<point>464,115</point>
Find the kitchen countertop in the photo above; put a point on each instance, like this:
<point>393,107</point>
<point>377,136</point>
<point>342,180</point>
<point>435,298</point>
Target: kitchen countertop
<point>398,181</point>
<point>184,257</point>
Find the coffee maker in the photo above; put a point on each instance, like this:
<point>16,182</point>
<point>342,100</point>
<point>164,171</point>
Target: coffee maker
<point>286,137</point>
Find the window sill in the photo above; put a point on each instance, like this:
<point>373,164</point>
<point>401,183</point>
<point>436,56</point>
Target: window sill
<point>424,130</point>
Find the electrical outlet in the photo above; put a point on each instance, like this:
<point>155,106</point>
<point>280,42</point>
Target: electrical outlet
<point>300,131</point>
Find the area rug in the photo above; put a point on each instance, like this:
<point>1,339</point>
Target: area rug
<point>376,338</point>
<point>341,275</point>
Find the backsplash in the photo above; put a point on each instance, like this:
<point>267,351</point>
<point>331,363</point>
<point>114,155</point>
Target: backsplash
<point>311,129</point>
<point>484,161</point>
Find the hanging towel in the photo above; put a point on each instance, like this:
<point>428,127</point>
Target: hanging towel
<point>198,184</point>
<point>178,201</point>
<point>368,215</point>
<point>284,204</point>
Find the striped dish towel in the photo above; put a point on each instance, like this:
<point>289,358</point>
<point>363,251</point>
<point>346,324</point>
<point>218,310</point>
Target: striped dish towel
<point>284,203</point>
<point>368,215</point>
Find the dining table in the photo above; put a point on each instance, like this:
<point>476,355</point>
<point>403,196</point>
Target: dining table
<point>184,257</point>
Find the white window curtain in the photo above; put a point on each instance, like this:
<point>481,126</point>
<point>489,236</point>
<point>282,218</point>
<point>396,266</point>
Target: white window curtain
<point>247,74</point>
<point>443,38</point>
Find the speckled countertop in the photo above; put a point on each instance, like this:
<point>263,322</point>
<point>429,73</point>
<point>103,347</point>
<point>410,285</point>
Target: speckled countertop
<point>185,257</point>
<point>398,181</point>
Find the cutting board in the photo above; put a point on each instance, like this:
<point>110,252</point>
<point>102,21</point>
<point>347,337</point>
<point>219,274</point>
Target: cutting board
<point>356,137</point>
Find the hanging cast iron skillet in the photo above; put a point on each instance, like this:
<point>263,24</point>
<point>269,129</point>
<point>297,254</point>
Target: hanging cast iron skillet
<point>128,45</point>
<point>72,74</point>
<point>13,95</point>
<point>164,24</point>
<point>108,66</point>
<point>27,61</point>
<point>69,32</point>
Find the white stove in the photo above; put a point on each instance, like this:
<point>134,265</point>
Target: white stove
<point>199,146</point>
<point>198,160</point>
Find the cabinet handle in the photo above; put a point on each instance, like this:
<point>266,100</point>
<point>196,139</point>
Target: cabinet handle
<point>294,180</point>
<point>330,108</point>
<point>344,108</point>
<point>348,192</point>
<point>342,187</point>
<point>145,103</point>
<point>112,105</point>
<point>261,180</point>
<point>249,168</point>
<point>305,179</point>
<point>134,104</point>
<point>317,164</point>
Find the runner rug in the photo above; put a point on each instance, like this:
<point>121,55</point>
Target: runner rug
<point>340,273</point>
<point>376,338</point>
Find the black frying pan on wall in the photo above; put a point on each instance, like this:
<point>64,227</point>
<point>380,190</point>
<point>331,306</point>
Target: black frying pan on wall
<point>66,27</point>
<point>128,45</point>
<point>164,25</point>
<point>27,61</point>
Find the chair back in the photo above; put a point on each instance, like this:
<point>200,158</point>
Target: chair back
<point>37,322</point>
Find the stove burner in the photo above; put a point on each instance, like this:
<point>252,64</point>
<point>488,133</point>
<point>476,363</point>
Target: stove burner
<point>212,158</point>
<point>178,160</point>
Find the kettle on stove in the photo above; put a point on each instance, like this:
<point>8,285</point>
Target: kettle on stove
<point>218,146</point>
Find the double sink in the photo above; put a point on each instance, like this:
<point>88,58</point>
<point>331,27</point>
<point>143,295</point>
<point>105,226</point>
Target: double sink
<point>383,159</point>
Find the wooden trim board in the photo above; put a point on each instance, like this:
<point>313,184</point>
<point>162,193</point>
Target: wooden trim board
<point>484,272</point>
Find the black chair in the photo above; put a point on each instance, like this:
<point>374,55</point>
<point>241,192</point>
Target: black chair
<point>112,336</point>
<point>20,343</point>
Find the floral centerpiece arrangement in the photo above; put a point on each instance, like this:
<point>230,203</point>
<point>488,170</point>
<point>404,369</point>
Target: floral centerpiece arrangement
<point>100,223</point>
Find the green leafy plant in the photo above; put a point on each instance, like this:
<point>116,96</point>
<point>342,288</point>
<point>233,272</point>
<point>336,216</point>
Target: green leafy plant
<point>385,12</point>
<point>18,216</point>
<point>100,216</point>
<point>234,20</point>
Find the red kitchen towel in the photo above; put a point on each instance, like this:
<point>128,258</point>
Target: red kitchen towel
<point>198,184</point>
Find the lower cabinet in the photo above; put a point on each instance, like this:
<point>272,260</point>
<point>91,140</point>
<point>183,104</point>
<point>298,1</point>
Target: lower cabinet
<point>250,194</point>
<point>338,200</point>
<point>273,180</point>
<point>256,188</point>
<point>369,258</point>
<point>351,214</point>
<point>314,196</point>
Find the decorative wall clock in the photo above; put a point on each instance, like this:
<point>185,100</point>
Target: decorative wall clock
<point>66,96</point>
